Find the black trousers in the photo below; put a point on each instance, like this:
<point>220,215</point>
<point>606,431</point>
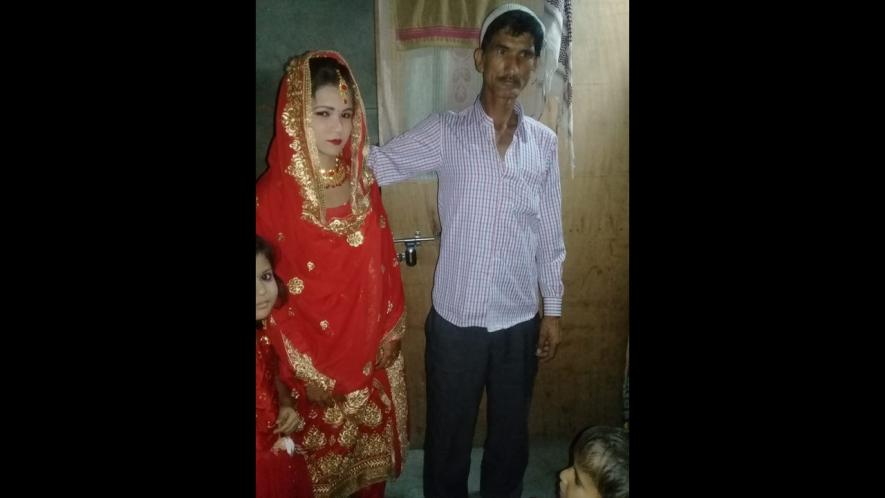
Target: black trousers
<point>461,362</point>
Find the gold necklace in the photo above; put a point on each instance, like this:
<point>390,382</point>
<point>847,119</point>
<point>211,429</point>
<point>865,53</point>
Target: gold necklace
<point>334,177</point>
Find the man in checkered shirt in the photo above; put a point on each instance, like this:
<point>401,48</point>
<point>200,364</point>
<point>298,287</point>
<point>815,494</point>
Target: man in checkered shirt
<point>500,260</point>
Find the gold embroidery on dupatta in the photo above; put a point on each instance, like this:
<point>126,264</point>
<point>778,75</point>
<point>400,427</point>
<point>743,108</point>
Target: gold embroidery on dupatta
<point>355,239</point>
<point>314,439</point>
<point>397,379</point>
<point>347,438</point>
<point>296,285</point>
<point>304,369</point>
<point>398,331</point>
<point>355,400</point>
<point>370,415</point>
<point>333,416</point>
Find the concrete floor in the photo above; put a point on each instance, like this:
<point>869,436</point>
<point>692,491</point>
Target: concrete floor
<point>546,459</point>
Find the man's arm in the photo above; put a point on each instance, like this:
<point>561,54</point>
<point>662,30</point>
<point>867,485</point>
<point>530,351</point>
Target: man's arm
<point>416,151</point>
<point>551,254</point>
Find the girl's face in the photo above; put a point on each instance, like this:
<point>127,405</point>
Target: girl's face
<point>331,120</point>
<point>265,287</point>
<point>575,483</point>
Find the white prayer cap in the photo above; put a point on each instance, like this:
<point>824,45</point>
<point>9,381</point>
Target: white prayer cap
<point>503,9</point>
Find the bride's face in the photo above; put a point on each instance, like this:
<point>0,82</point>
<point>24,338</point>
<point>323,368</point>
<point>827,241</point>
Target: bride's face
<point>331,120</point>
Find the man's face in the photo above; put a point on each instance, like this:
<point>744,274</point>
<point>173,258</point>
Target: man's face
<point>507,63</point>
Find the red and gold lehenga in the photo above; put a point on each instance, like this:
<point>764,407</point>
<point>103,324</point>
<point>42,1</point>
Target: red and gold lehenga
<point>345,299</point>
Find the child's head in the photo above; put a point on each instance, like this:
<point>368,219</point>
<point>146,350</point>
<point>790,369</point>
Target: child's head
<point>267,284</point>
<point>601,466</point>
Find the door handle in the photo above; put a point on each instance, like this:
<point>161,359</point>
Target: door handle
<point>410,253</point>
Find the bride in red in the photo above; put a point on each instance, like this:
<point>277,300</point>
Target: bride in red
<point>339,334</point>
<point>279,471</point>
